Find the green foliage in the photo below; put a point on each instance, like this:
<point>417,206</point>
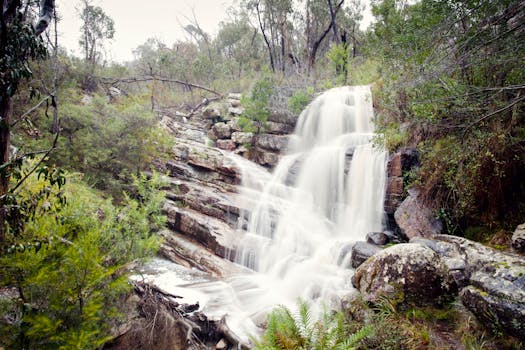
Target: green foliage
<point>286,330</point>
<point>68,290</point>
<point>300,99</point>
<point>339,56</point>
<point>460,88</point>
<point>256,105</point>
<point>106,142</point>
<point>18,46</point>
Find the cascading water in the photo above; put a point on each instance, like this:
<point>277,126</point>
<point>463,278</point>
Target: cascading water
<point>325,193</point>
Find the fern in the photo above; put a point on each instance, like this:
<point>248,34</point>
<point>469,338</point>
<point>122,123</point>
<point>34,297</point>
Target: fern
<point>288,331</point>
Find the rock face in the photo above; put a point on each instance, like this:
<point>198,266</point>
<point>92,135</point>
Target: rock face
<point>405,272</point>
<point>491,283</point>
<point>518,238</point>
<point>414,219</point>
<point>398,164</point>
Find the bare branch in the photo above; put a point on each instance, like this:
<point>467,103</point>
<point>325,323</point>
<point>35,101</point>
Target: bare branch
<point>112,81</point>
<point>34,108</point>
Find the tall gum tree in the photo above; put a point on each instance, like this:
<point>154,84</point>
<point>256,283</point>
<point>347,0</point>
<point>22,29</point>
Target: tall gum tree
<point>19,43</point>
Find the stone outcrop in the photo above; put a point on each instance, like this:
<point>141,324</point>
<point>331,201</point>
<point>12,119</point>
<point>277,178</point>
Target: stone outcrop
<point>398,165</point>
<point>263,147</point>
<point>405,272</point>
<point>518,238</point>
<point>490,283</point>
<point>415,219</point>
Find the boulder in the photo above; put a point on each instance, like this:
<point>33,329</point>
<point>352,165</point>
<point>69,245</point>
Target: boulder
<point>283,117</point>
<point>227,145</point>
<point>221,131</point>
<point>234,124</point>
<point>234,96</point>
<point>236,111</point>
<point>518,238</point>
<point>405,272</point>
<point>361,251</point>
<point>278,128</point>
<point>262,157</point>
<point>242,138</point>
<point>415,219</point>
<point>492,282</point>
<point>270,142</point>
<point>377,238</point>
<point>497,298</point>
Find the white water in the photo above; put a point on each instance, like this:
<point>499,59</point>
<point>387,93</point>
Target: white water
<point>326,192</point>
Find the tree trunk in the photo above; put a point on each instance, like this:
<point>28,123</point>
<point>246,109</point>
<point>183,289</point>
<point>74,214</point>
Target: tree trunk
<point>317,43</point>
<point>265,37</point>
<point>332,19</point>
<point>6,108</point>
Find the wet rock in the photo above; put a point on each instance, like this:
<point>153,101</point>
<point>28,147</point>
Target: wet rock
<point>278,128</point>
<point>377,238</point>
<point>212,233</point>
<point>361,251</point>
<point>394,194</point>
<point>181,250</point>
<point>262,157</point>
<point>227,145</point>
<point>283,117</point>
<point>270,142</point>
<point>405,272</point>
<point>242,138</point>
<point>220,131</point>
<point>415,219</point>
<point>518,238</point>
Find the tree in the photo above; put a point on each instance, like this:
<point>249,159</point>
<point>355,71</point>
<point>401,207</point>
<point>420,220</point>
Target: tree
<point>453,71</point>
<point>19,43</point>
<point>97,26</point>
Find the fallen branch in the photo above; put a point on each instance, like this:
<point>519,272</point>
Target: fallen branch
<point>114,81</point>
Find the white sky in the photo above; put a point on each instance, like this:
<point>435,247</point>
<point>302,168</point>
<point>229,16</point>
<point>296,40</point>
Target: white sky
<point>136,21</point>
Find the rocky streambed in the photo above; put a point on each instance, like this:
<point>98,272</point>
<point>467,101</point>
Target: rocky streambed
<point>206,212</point>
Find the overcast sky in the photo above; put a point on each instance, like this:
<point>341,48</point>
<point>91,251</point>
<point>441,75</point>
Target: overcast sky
<point>136,21</point>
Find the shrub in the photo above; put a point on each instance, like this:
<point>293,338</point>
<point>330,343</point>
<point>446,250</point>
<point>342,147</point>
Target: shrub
<point>69,286</point>
<point>300,99</point>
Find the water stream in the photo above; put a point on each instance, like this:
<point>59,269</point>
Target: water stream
<point>299,222</point>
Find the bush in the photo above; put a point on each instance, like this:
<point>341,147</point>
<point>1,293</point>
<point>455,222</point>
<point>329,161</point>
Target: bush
<point>256,109</point>
<point>72,270</point>
<point>300,99</point>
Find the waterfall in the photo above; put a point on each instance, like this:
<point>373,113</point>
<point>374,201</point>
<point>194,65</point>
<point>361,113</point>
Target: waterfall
<point>326,192</point>
<point>328,188</point>
<point>300,222</point>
